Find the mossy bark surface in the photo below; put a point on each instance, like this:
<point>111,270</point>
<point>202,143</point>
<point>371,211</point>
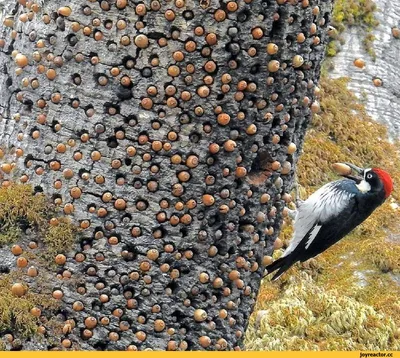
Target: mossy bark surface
<point>118,115</point>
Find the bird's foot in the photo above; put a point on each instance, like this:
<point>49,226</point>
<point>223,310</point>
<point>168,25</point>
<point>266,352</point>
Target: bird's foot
<point>296,188</point>
<point>292,213</point>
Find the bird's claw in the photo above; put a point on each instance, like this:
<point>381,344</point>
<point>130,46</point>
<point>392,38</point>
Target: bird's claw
<point>292,213</point>
<point>296,188</point>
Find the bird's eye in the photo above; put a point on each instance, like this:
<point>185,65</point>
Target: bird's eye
<point>369,176</point>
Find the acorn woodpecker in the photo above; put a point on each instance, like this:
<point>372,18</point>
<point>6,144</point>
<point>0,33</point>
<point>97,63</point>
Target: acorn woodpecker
<point>332,212</point>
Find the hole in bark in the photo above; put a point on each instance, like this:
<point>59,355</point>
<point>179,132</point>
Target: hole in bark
<point>76,79</point>
<point>100,346</point>
<point>128,62</point>
<point>96,305</point>
<point>19,348</point>
<point>123,93</point>
<point>86,241</point>
<point>277,28</point>
<point>294,17</point>
<point>239,182</point>
<point>255,69</point>
<point>111,108</point>
<point>37,189</point>
<point>326,17</point>
<point>126,218</point>
<point>131,120</point>
<point>146,72</point>
<point>159,232</point>
<point>184,232</point>
<point>4,269</point>
<point>137,183</point>
<point>112,142</point>
<point>72,39</point>
<point>178,315</point>
<point>188,15</point>
<point>108,24</point>
<point>173,286</point>
<point>184,118</point>
<point>244,15</point>
<point>195,137</point>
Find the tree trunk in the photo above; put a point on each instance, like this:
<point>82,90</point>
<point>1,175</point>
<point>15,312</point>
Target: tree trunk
<point>169,132</point>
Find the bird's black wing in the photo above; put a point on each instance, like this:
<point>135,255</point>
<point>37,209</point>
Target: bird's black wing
<point>320,235</point>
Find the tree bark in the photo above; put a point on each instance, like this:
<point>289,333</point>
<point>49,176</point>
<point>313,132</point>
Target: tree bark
<point>169,132</point>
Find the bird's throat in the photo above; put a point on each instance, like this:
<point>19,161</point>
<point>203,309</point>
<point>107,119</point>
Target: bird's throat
<point>364,186</point>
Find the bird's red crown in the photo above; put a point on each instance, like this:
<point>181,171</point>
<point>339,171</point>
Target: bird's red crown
<point>386,180</point>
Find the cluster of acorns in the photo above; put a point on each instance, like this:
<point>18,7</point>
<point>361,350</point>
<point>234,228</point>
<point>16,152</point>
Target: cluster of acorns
<point>143,122</point>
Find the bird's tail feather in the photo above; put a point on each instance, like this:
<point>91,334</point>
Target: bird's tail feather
<point>282,264</point>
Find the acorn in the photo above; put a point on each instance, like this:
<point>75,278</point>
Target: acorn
<point>377,82</point>
<point>57,294</point>
<point>60,259</point>
<point>396,32</point>
<point>297,61</point>
<point>291,148</point>
<point>272,49</point>
<point>341,169</point>
<point>90,322</point>
<point>360,63</point>
<point>66,343</point>
<point>35,311</point>
<point>21,60</point>
<point>141,41</point>
<point>159,325</point>
<point>32,271</point>
<point>64,11</point>
<point>22,262</point>
<point>315,107</point>
<point>18,289</point>
<point>205,341</point>
<point>230,145</point>
<point>208,200</point>
<point>16,250</point>
<point>200,315</point>
<point>267,260</point>
<point>6,168</point>
<point>273,66</point>
<point>278,244</point>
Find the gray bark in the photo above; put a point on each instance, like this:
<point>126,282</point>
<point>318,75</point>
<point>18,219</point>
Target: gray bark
<point>382,102</point>
<point>231,235</point>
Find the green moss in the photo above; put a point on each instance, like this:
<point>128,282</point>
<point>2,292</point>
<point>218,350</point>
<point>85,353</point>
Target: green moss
<point>10,235</point>
<point>359,13</point>
<point>332,49</point>
<point>59,239</point>
<point>15,313</point>
<point>19,206</point>
<point>308,317</point>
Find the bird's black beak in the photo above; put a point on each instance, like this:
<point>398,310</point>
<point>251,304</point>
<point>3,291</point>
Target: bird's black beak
<point>356,178</point>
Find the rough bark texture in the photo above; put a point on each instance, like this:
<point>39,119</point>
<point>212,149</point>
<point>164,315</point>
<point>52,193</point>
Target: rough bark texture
<point>175,101</point>
<point>382,102</point>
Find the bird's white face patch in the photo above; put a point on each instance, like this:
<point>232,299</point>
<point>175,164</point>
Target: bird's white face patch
<point>364,186</point>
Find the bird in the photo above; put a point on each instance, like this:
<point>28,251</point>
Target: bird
<point>332,212</point>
